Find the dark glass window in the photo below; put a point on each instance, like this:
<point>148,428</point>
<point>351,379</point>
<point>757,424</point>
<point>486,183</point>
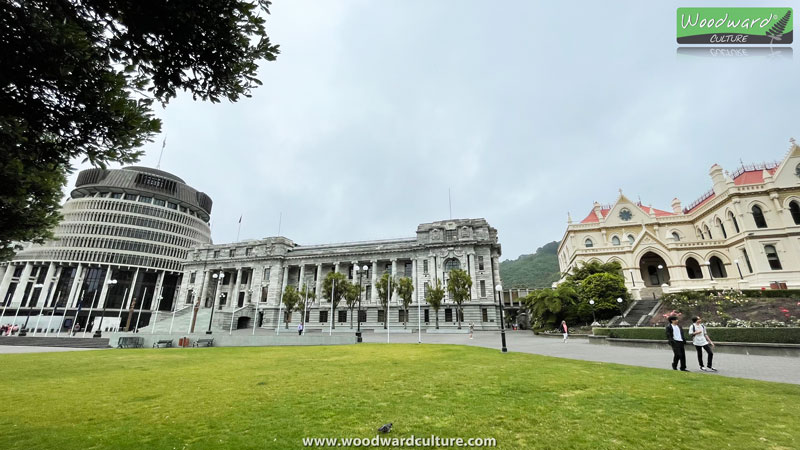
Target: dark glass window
<point>758,217</point>
<point>772,257</point>
<point>794,208</point>
<point>733,219</point>
<point>448,315</point>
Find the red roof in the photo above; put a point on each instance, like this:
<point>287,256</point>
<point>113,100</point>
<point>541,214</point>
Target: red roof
<point>592,217</point>
<point>705,200</point>
<point>752,176</point>
<point>659,213</point>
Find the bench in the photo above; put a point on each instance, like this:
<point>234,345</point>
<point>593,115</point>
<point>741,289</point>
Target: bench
<point>163,342</point>
<point>130,342</point>
<point>204,343</point>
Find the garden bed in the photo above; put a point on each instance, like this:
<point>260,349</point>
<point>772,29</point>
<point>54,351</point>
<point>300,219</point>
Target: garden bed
<point>784,335</point>
<point>731,308</point>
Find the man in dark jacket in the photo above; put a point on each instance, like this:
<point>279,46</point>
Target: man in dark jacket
<point>677,342</point>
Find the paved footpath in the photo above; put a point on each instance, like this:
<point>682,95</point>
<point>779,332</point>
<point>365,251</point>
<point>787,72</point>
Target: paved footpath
<point>784,369</point>
<point>32,349</point>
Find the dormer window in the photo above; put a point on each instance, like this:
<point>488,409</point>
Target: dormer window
<point>588,243</point>
<point>615,240</point>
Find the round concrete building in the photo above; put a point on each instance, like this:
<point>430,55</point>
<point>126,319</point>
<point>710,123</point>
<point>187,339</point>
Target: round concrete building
<point>118,252</point>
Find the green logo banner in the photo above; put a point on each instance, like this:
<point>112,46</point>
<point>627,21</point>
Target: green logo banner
<point>735,26</point>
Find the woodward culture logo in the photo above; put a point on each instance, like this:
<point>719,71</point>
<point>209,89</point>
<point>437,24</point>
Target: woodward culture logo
<point>735,26</point>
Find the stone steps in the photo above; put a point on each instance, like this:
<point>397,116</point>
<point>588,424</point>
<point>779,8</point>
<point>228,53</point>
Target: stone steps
<point>69,342</point>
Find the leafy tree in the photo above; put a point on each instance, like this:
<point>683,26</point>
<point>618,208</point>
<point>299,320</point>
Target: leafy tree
<point>604,289</point>
<point>79,80</point>
<point>548,307</point>
<point>583,271</point>
<point>459,284</point>
<point>337,283</point>
<point>385,287</point>
<point>405,290</point>
<point>434,298</point>
<point>352,293</point>
<point>291,298</point>
<point>306,294</point>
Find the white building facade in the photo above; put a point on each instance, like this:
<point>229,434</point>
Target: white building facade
<point>119,249</point>
<point>244,282</point>
<point>743,233</point>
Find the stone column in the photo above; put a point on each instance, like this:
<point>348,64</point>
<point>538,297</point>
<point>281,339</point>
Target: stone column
<point>414,280</point>
<point>104,289</point>
<point>473,270</point>
<point>373,279</point>
<point>249,288</point>
<point>48,280</point>
<point>204,280</point>
<point>155,304</point>
<point>301,281</point>
<point>74,290</point>
<point>233,289</point>
<point>318,287</point>
<point>126,302</point>
<point>10,268</point>
<point>283,285</point>
<point>19,293</point>
<point>394,278</point>
<point>56,278</point>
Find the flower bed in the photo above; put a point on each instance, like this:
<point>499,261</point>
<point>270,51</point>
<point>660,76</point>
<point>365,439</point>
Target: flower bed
<point>782,335</point>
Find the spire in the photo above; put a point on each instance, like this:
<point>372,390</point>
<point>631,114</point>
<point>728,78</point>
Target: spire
<point>569,218</point>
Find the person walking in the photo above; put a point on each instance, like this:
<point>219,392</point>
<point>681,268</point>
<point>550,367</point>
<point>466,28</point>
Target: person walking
<point>300,329</point>
<point>564,329</point>
<point>702,342</point>
<point>677,342</point>
<point>471,329</point>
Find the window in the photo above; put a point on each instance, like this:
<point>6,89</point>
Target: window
<point>708,232</point>
<point>171,205</point>
<point>159,202</point>
<point>192,277</point>
<point>722,228</point>
<point>368,293</point>
<point>425,290</point>
<point>144,199</point>
<point>323,316</point>
<point>732,218</point>
<point>772,257</point>
<point>248,251</point>
<point>794,208</point>
<point>480,262</point>
<point>130,196</point>
<point>381,315</point>
<point>362,316</point>
<point>116,195</point>
<point>675,236</point>
<point>588,243</point>
<point>483,288</point>
<point>216,253</point>
<point>758,217</point>
<point>747,261</point>
<point>401,315</point>
<point>448,315</point>
<point>717,268</point>
<point>484,315</point>
<point>245,275</point>
<point>425,266</point>
<point>631,239</point>
<point>264,293</point>
<point>408,271</point>
<point>232,252</point>
<point>615,240</point>
<point>427,316</point>
<point>450,235</point>
<point>693,270</point>
<point>342,316</point>
<point>451,264</point>
<point>266,274</point>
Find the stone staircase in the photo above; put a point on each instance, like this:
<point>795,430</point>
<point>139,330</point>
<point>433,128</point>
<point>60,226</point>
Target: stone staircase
<point>162,325</point>
<point>69,342</point>
<point>639,314</point>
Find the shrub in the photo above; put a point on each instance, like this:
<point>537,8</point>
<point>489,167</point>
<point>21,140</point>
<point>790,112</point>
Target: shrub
<point>738,334</point>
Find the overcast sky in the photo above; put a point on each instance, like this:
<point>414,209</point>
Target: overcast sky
<point>524,110</point>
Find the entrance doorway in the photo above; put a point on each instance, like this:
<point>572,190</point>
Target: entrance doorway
<point>242,322</point>
<point>653,269</point>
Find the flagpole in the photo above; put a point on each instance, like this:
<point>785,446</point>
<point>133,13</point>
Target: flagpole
<point>388,306</point>
<point>240,229</point>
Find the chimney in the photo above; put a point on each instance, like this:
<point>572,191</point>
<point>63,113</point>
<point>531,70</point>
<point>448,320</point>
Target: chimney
<point>597,211</point>
<point>676,206</point>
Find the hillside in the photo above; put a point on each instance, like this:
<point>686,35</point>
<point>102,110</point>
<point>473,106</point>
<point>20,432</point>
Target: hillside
<point>538,270</point>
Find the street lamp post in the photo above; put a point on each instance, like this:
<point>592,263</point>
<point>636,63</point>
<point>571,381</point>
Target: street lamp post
<point>24,330</point>
<point>499,290</point>
<point>594,319</point>
<point>99,331</point>
<point>360,272</point>
<point>623,322</point>
<point>741,277</point>
<point>219,277</point>
<point>658,274</point>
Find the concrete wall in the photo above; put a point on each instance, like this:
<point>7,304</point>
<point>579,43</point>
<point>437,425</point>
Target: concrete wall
<point>224,340</point>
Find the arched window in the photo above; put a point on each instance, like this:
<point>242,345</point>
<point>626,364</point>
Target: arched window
<point>700,234</point>
<point>722,228</point>
<point>758,217</point>
<point>615,240</point>
<point>631,239</point>
<point>451,264</point>
<point>588,243</point>
<point>733,219</point>
<point>708,232</point>
<point>675,236</point>
<point>717,268</point>
<point>693,269</point>
<point>772,257</point>
<point>794,208</point>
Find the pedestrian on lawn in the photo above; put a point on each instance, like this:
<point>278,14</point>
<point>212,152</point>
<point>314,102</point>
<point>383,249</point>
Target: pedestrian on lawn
<point>677,342</point>
<point>702,342</point>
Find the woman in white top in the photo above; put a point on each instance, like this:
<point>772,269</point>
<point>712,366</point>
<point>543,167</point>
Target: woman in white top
<point>701,341</point>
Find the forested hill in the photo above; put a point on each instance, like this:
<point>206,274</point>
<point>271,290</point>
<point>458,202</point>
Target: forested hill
<point>538,270</point>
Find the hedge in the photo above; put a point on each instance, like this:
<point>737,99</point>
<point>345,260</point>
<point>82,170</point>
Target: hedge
<point>761,335</point>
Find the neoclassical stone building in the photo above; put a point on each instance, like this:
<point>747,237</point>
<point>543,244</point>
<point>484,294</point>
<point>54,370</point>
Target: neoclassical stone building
<point>121,244</point>
<point>244,281</point>
<point>743,233</point>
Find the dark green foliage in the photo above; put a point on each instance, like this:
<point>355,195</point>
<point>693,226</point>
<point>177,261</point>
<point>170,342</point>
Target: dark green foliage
<point>291,299</point>
<point>79,80</point>
<point>538,270</point>
<point>434,298</point>
<point>405,290</point>
<point>772,293</point>
<point>459,284</point>
<point>765,335</point>
<point>334,283</point>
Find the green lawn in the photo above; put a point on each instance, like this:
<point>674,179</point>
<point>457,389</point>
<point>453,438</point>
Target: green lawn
<point>273,397</point>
